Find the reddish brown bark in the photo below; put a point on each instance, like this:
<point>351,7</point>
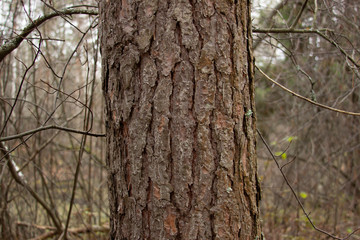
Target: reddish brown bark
<point>178,84</point>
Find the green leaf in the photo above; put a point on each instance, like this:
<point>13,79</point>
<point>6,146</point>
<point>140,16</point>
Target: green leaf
<point>282,154</point>
<point>303,195</point>
<point>291,138</point>
<point>349,230</point>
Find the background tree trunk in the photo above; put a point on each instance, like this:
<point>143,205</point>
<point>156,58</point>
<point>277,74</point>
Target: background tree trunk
<point>178,86</point>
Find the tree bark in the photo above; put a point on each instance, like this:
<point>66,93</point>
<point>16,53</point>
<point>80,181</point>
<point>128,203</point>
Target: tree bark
<point>179,91</point>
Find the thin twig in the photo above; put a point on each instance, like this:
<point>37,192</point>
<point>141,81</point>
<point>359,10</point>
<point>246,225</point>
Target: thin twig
<point>268,19</point>
<point>44,124</point>
<point>80,230</point>
<point>87,122</point>
<point>21,181</point>
<point>299,15</point>
<point>295,195</point>
<point>40,129</point>
<point>63,16</point>
<point>19,90</point>
<point>14,43</point>
<point>320,32</point>
<point>288,30</point>
<point>305,98</point>
<point>69,59</point>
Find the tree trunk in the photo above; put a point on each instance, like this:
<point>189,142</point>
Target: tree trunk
<point>179,92</point>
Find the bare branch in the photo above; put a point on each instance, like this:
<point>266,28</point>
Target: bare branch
<point>8,47</point>
<point>78,230</point>
<point>87,122</point>
<point>319,32</point>
<point>305,98</point>
<point>295,195</point>
<point>20,181</point>
<point>299,15</point>
<point>40,129</point>
<point>46,235</point>
<point>289,30</point>
<point>19,90</point>
<point>277,8</point>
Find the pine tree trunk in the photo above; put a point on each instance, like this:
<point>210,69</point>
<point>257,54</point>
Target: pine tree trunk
<point>179,92</point>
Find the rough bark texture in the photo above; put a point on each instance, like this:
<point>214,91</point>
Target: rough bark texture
<point>178,84</point>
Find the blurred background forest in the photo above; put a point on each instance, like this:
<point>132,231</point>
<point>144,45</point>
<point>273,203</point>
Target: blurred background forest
<point>51,119</point>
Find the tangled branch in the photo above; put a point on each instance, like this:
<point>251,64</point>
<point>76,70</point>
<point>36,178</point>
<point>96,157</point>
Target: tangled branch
<point>10,46</point>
